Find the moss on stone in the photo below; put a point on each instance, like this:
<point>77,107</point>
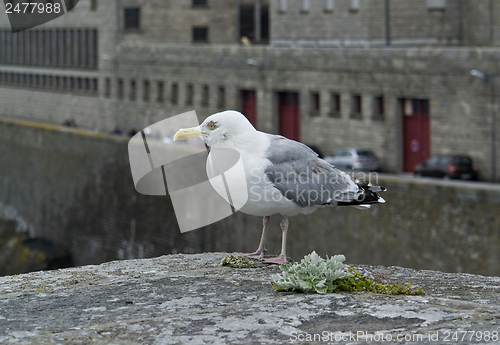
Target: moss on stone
<point>365,282</point>
<point>239,262</point>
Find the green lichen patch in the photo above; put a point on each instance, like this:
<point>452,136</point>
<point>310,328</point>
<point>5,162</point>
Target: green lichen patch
<point>239,262</point>
<point>315,274</point>
<point>364,281</point>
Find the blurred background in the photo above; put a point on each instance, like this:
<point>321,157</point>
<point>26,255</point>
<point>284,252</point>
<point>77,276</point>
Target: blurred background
<point>406,88</point>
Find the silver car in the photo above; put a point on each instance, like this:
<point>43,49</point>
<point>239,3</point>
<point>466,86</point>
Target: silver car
<point>350,158</point>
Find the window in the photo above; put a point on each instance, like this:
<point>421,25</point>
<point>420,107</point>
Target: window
<point>200,34</point>
<point>282,6</point>
<point>221,97</point>
<point>315,104</point>
<point>335,105</point>
<point>436,4</point>
<point>329,5</point>
<point>378,106</point>
<point>305,6</point>
<point>133,90</point>
<point>160,90</point>
<point>93,5</point>
<point>354,5</point>
<point>421,106</point>
<point>174,96</point>
<point>200,3</point>
<point>205,95</point>
<point>356,106</point>
<point>120,92</point>
<point>132,15</point>
<point>254,26</point>
<point>189,94</point>
<point>247,22</point>
<point>416,107</point>
<point>107,90</point>
<point>145,91</point>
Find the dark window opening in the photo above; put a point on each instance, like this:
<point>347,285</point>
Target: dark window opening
<point>175,94</point>
<point>420,106</point>
<point>200,3</point>
<point>356,106</point>
<point>264,23</point>
<point>378,109</point>
<point>205,95</point>
<point>248,23</point>
<point>145,91</point>
<point>133,90</point>
<point>221,99</point>
<point>189,94</point>
<point>132,18</point>
<point>200,34</point>
<point>160,91</point>
<point>120,91</point>
<point>107,90</point>
<point>335,105</point>
<point>93,5</point>
<point>315,104</point>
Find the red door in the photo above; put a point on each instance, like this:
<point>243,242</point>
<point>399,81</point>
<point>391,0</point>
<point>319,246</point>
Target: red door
<point>289,115</point>
<point>248,106</point>
<point>416,140</point>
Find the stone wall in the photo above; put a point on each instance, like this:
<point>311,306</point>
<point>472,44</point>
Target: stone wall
<point>192,299</point>
<point>362,23</point>
<point>459,103</point>
<point>75,189</point>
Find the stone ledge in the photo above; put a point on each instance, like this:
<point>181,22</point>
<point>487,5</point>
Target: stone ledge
<point>178,299</point>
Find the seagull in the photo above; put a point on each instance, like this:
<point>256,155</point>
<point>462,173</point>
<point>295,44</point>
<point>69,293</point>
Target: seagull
<point>282,176</point>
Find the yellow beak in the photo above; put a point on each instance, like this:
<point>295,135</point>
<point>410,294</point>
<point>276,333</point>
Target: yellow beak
<point>185,133</point>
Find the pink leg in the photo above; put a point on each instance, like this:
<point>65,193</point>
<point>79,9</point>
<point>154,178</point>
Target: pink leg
<point>259,253</point>
<point>280,259</point>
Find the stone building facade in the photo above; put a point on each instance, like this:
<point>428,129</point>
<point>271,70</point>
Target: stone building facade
<point>351,77</point>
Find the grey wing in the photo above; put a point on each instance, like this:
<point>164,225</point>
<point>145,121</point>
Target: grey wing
<point>301,176</point>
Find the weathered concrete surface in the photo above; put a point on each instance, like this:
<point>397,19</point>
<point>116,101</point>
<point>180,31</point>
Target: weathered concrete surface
<point>179,299</point>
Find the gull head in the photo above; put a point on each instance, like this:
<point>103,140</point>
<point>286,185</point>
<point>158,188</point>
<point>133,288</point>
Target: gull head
<point>227,129</point>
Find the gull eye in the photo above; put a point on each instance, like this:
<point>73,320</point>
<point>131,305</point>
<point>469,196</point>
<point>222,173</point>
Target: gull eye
<point>211,125</point>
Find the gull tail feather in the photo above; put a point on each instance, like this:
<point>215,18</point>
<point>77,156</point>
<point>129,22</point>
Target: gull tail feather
<point>366,196</point>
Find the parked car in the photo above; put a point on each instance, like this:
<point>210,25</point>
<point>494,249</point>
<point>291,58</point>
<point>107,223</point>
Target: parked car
<point>354,158</point>
<point>448,167</point>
